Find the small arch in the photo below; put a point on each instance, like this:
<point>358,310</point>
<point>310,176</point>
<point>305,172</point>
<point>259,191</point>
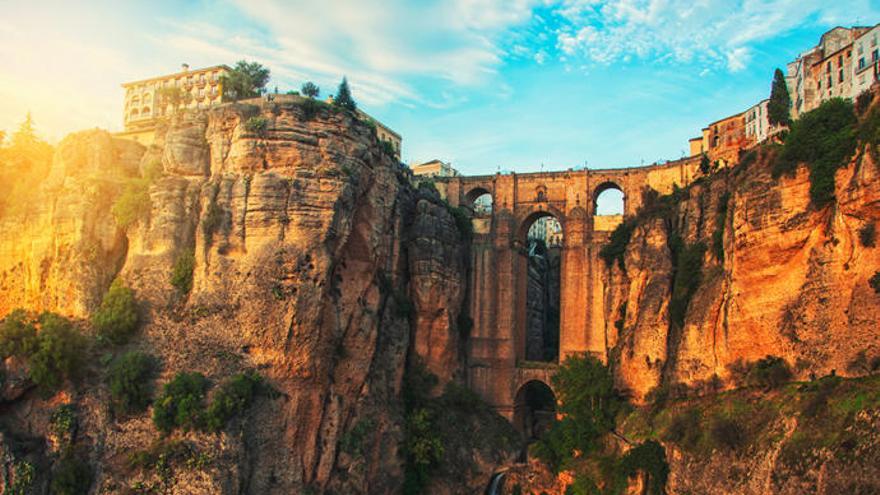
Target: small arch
<point>480,201</point>
<point>608,199</point>
<point>534,409</point>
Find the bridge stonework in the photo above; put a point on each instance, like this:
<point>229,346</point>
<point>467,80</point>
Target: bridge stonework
<point>499,271</point>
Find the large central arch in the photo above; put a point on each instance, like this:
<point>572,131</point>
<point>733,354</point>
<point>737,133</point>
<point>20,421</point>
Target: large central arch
<point>538,298</point>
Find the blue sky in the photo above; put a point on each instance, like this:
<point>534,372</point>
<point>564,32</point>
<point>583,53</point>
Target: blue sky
<point>485,84</point>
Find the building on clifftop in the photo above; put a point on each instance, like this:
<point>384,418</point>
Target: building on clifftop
<point>148,100</point>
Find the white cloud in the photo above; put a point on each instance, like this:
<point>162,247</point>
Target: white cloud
<point>716,33</point>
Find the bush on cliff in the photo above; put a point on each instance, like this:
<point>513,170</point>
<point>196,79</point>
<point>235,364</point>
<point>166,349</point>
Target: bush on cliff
<point>688,263</point>
<point>117,318</point>
<point>874,282</point>
<point>182,403</point>
<point>71,476</point>
<point>59,353</point>
<point>53,354</point>
<point>130,379</point>
<point>133,204</point>
<point>617,244</point>
<point>18,336</point>
<point>182,273</point>
<point>233,398</point>
<point>824,139</point>
<point>868,234</point>
<point>588,403</point>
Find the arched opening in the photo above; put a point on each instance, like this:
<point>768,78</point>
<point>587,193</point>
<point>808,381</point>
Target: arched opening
<point>480,201</point>
<point>542,306</point>
<point>609,200</point>
<point>534,409</point>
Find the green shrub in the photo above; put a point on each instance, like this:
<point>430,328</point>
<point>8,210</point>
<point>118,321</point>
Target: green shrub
<point>133,204</point>
<point>769,372</point>
<point>181,404</point>
<point>59,353</point>
<point>23,474</point>
<point>868,234</point>
<point>257,125</point>
<point>311,108</point>
<point>617,244</point>
<point>874,282</point>
<point>352,442</point>
<point>726,433</point>
<point>688,275</point>
<point>182,273</point>
<point>588,403</point>
<point>117,318</point>
<point>863,101</point>
<point>233,398</point>
<point>130,380</point>
<point>18,336</point>
<point>71,476</point>
<point>388,148</point>
<point>824,139</point>
<point>63,423</point>
<point>649,458</point>
<point>462,221</point>
<point>423,447</point>
<point>684,429</point>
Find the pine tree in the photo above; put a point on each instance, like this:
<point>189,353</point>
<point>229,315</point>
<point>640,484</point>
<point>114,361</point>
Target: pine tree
<point>343,97</point>
<point>779,107</point>
<point>26,134</point>
<point>310,89</point>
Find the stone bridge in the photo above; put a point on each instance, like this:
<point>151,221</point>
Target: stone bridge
<point>498,370</point>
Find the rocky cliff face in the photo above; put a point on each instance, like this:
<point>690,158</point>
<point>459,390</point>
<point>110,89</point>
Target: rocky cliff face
<point>787,279</point>
<point>312,257</point>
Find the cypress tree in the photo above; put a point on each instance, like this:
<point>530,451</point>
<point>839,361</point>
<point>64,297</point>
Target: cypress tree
<point>779,107</point>
<point>343,97</point>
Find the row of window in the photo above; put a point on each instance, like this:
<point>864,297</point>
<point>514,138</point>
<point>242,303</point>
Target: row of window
<point>201,78</point>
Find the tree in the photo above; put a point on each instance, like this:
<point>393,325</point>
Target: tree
<point>705,164</point>
<point>25,136</point>
<point>174,96</point>
<point>245,80</point>
<point>779,107</point>
<point>310,89</point>
<point>343,97</point>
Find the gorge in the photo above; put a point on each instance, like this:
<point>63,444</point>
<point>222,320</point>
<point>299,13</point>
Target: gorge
<point>395,326</point>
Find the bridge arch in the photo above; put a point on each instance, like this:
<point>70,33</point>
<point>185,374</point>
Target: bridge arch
<point>539,288</point>
<point>534,409</point>
<point>609,199</point>
<point>480,200</point>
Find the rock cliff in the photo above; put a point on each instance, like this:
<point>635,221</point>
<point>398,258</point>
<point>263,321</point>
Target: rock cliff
<point>778,277</point>
<point>313,258</point>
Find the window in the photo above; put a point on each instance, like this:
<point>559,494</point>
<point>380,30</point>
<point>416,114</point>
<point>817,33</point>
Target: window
<point>830,82</point>
<point>874,56</point>
<point>840,61</point>
<point>840,75</point>
<point>828,66</point>
<point>862,63</point>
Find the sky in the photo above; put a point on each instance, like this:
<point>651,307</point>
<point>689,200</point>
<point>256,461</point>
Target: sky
<point>488,85</point>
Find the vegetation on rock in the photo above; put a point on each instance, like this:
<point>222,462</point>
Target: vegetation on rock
<point>233,398</point>
<point>117,318</point>
<point>181,404</point>
<point>182,272</point>
<point>310,89</point>
<point>779,106</point>
<point>615,250</point>
<point>245,80</point>
<point>71,476</point>
<point>343,97</point>
<point>130,379</point>
<point>824,139</point>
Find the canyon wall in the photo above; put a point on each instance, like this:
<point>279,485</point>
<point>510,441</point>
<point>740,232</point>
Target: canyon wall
<point>315,263</point>
<point>787,279</point>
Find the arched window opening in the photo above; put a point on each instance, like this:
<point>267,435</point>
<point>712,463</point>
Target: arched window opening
<point>544,241</point>
<point>609,201</point>
<point>480,201</point>
<point>534,409</point>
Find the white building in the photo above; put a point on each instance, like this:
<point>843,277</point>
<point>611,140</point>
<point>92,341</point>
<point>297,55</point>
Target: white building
<point>867,60</point>
<point>757,122</point>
